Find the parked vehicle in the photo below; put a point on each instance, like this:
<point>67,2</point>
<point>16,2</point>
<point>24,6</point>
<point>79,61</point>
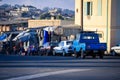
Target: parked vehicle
<point>115,50</point>
<point>47,48</point>
<point>89,44</point>
<point>64,48</point>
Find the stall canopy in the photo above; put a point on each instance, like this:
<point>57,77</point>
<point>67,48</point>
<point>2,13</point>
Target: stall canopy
<point>24,36</point>
<point>3,37</point>
<point>49,29</point>
<point>47,32</point>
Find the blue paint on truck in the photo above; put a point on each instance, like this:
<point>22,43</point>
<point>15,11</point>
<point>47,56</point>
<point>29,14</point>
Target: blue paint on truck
<point>88,44</point>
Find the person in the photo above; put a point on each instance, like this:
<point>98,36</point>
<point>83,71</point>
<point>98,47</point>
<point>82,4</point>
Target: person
<point>22,51</point>
<point>33,50</point>
<point>14,49</point>
<point>29,51</point>
<point>7,50</point>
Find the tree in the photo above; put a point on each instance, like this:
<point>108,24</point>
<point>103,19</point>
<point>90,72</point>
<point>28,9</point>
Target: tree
<point>45,16</point>
<point>59,17</point>
<point>46,9</point>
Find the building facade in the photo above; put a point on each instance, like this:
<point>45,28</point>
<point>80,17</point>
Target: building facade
<point>11,26</point>
<point>102,16</point>
<point>41,23</point>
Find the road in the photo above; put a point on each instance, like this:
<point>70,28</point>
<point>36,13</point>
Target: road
<point>58,68</point>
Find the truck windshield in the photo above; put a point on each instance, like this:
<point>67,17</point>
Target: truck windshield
<point>88,38</point>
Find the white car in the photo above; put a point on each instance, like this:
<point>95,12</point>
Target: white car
<point>64,48</point>
<point>115,50</point>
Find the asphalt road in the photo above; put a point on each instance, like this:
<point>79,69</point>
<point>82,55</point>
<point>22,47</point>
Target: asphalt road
<point>59,68</point>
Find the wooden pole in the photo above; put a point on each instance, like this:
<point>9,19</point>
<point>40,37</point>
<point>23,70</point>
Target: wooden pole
<point>82,28</point>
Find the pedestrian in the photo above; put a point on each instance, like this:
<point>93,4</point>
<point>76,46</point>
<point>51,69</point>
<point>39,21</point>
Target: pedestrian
<point>29,51</point>
<point>14,49</point>
<point>7,50</point>
<point>22,51</point>
<point>33,50</point>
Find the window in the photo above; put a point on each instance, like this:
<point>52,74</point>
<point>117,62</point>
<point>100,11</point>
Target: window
<point>77,10</point>
<point>88,8</point>
<point>69,42</point>
<point>99,7</point>
<point>100,35</point>
<point>61,44</point>
<point>88,37</point>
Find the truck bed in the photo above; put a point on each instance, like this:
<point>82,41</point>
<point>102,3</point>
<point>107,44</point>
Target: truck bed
<point>96,46</point>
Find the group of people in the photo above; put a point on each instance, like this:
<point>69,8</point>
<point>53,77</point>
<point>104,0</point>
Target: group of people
<point>31,50</point>
<point>18,49</point>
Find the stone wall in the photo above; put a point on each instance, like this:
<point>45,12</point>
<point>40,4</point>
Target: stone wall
<point>40,23</point>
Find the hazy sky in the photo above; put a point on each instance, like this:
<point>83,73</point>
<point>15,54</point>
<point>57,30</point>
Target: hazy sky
<point>65,4</point>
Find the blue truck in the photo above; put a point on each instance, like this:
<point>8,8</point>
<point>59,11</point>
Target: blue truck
<point>88,44</point>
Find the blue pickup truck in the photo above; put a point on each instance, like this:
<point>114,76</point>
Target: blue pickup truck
<point>88,44</point>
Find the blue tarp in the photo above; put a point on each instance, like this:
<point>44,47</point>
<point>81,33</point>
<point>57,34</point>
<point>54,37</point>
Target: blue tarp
<point>3,36</point>
<point>46,37</point>
<point>46,34</point>
<point>24,37</point>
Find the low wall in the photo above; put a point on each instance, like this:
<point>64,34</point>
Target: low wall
<point>38,23</point>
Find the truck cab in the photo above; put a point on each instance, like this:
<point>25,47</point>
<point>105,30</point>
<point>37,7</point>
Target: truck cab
<point>88,44</point>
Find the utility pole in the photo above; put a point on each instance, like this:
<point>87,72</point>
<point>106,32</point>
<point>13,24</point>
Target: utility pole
<point>82,28</point>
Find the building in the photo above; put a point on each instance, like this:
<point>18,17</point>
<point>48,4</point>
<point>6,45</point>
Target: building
<point>24,9</point>
<point>102,16</point>
<point>9,26</point>
<point>41,23</point>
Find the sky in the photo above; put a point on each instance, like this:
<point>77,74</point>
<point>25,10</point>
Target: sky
<point>65,4</point>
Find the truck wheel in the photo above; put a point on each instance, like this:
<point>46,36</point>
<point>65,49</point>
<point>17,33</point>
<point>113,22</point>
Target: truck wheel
<point>101,54</point>
<point>75,53</point>
<point>94,56</point>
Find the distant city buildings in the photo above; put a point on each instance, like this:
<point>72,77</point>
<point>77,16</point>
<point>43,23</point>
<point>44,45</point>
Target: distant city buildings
<point>13,18</point>
<point>9,12</point>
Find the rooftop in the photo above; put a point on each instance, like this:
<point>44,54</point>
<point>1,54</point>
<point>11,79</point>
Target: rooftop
<point>13,22</point>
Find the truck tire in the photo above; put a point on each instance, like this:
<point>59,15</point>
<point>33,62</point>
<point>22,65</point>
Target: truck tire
<point>94,56</point>
<point>101,56</point>
<point>101,53</point>
<point>75,54</point>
